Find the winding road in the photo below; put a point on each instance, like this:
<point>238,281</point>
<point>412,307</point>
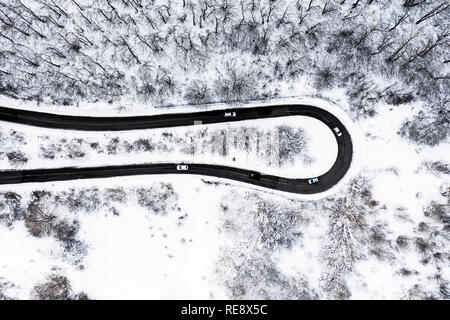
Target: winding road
<point>300,186</point>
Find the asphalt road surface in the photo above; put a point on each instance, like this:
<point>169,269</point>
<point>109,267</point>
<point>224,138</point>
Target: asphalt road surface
<point>301,186</point>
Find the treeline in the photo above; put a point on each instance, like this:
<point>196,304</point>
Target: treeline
<point>198,51</point>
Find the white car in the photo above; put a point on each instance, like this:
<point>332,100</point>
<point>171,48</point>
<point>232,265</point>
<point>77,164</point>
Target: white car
<point>229,114</point>
<point>313,180</point>
<point>337,131</point>
<point>182,167</point>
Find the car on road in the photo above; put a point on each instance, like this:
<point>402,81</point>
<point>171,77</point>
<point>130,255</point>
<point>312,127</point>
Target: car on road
<point>313,180</point>
<point>254,175</point>
<point>337,131</point>
<point>229,114</point>
<point>182,167</point>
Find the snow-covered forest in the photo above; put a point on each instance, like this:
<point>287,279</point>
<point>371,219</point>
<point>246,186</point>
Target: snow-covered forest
<point>383,234</point>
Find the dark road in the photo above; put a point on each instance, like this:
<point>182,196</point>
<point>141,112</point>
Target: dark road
<point>300,186</point>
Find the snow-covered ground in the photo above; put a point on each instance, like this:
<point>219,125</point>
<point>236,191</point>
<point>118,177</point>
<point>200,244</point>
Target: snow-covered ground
<point>213,232</point>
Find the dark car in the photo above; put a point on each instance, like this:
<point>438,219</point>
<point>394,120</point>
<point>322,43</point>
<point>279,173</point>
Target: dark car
<point>254,175</point>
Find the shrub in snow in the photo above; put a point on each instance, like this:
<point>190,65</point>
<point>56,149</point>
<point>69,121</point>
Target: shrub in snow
<point>402,241</point>
<point>398,98</point>
<point>437,167</point>
<point>116,195</point>
<point>156,87</point>
<point>439,212</point>
<point>143,145</point>
<point>445,190</point>
<point>74,149</point>
<point>11,208</point>
<point>4,288</point>
<point>113,145</point>
<point>235,83</point>
<point>77,200</point>
<point>418,292</point>
<point>56,287</point>
<point>198,92</point>
<point>42,219</point>
<point>17,158</point>
<point>158,198</point>
<point>427,128</point>
<point>325,78</point>
<point>292,143</point>
<point>277,225</point>
<point>363,95</point>
<point>69,149</point>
